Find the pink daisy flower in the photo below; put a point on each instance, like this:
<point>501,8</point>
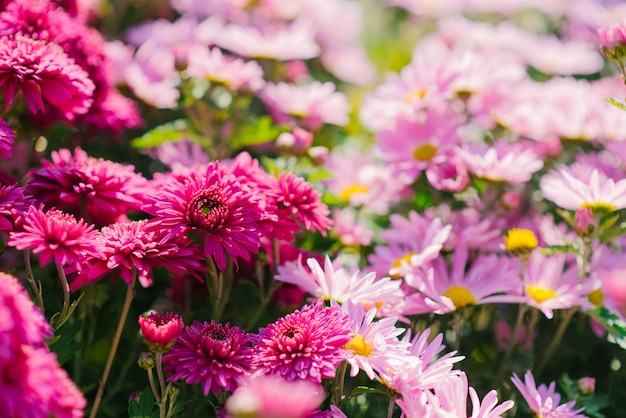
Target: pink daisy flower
<point>273,396</point>
<point>217,356</point>
<point>216,67</point>
<point>309,105</point>
<point>544,401</point>
<point>448,173</point>
<point>13,204</point>
<point>35,385</point>
<point>160,330</point>
<point>304,345</point>
<point>7,139</point>
<point>502,162</point>
<point>297,199</point>
<point>338,284</point>
<point>218,206</point>
<point>349,229</point>
<point>107,189</point>
<point>179,154</point>
<point>55,235</point>
<point>581,186</point>
<point>374,346</point>
<point>133,249</point>
<point>550,283</point>
<point>43,72</point>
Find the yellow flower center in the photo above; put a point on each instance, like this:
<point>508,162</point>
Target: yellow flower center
<point>400,261</point>
<point>354,188</point>
<point>376,305</point>
<point>415,95</point>
<point>520,242</point>
<point>359,346</point>
<point>599,207</point>
<point>460,296</point>
<point>540,294</point>
<point>596,297</point>
<point>425,152</point>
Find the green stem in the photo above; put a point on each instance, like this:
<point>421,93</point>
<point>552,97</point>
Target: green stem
<point>457,331</point>
<point>33,283</point>
<point>159,367</point>
<point>130,293</point>
<point>157,396</point>
<point>339,383</point>
<point>66,295</point>
<point>392,403</point>
<point>556,340</point>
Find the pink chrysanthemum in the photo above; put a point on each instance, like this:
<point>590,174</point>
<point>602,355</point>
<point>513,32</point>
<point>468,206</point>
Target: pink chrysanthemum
<point>304,345</point>
<point>273,396</point>
<point>35,386</point>
<point>218,206</point>
<point>544,400</point>
<point>309,105</point>
<point>55,235</point>
<point>39,20</point>
<point>44,73</point>
<point>13,203</point>
<point>7,139</point>
<point>217,356</point>
<point>107,189</point>
<point>299,200</point>
<point>160,330</point>
<point>21,322</point>
<point>134,249</point>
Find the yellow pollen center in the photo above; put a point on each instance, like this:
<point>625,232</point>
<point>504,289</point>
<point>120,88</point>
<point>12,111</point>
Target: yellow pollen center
<point>359,346</point>
<point>519,241</point>
<point>425,152</point>
<point>460,296</point>
<point>400,261</point>
<point>540,294</point>
<point>351,190</point>
<point>415,95</point>
<point>596,297</point>
<point>599,207</point>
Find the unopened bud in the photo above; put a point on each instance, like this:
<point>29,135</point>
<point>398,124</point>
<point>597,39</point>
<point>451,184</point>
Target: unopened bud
<point>146,361</point>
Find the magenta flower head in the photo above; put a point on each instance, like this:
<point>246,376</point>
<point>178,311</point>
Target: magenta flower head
<point>304,345</point>
<point>13,203</point>
<point>55,235</point>
<point>44,73</point>
<point>7,139</point>
<point>613,43</point>
<point>214,355</point>
<point>160,330</point>
<point>216,205</point>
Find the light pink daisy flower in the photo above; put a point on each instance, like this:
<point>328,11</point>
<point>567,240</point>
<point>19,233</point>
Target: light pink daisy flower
<point>232,72</point>
<point>448,173</point>
<point>7,139</point>
<point>489,279</point>
<point>421,369</point>
<point>160,330</point>
<point>44,74</point>
<point>273,396</point>
<point>581,186</point>
<point>55,236</point>
<point>349,229</point>
<point>470,228</point>
<point>339,285</point>
<point>218,207</point>
<point>217,356</point>
<point>544,401</point>
<point>307,105</point>
<point>502,162</point>
<point>374,346</point>
<point>550,283</point>
<point>304,345</point>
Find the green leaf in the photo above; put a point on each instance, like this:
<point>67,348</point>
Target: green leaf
<point>613,324</point>
<point>171,131</point>
<point>558,249</point>
<point>259,131</point>
<point>63,343</point>
<point>144,407</point>
<point>616,103</point>
<point>180,403</point>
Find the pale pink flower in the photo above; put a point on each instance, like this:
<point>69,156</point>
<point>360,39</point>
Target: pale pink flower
<point>179,154</point>
<point>544,401</point>
<point>612,36</point>
<point>308,105</point>
<point>349,229</point>
<point>449,173</point>
<point>232,72</point>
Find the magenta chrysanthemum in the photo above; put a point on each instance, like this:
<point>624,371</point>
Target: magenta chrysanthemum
<point>304,345</point>
<point>160,330</point>
<point>217,356</point>
<point>298,199</point>
<point>39,20</point>
<point>55,235</point>
<point>13,203</point>
<point>107,189</point>
<point>44,73</point>
<point>133,248</point>
<point>7,139</point>
<point>218,206</point>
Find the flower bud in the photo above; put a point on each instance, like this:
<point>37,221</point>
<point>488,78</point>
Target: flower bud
<point>160,330</point>
<point>147,361</point>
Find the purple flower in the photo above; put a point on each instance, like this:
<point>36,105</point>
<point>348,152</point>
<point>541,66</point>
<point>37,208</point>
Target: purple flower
<point>7,139</point>
<point>544,401</point>
<point>13,203</point>
<point>304,345</point>
<point>215,355</point>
